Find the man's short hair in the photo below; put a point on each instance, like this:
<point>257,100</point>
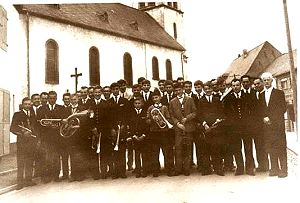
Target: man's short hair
<point>198,82</point>
<point>44,93</point>
<point>84,87</point>
<point>138,98</point>
<point>161,81</point>
<point>180,78</point>
<point>178,85</point>
<point>208,83</point>
<point>25,99</point>
<point>114,84</point>
<point>36,94</point>
<point>140,79</point>
<point>136,86</point>
<point>156,92</point>
<point>97,87</point>
<point>169,82</point>
<point>245,76</point>
<point>235,80</point>
<point>52,93</point>
<point>66,94</point>
<point>187,82</point>
<point>122,82</point>
<point>146,82</point>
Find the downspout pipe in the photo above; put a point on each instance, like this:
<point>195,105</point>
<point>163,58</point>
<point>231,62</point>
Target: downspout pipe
<point>27,54</point>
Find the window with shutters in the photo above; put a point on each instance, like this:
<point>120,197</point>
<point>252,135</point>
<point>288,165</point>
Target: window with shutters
<point>3,29</point>
<point>127,63</point>
<point>52,69</point>
<point>155,69</point>
<point>169,70</point>
<point>94,66</point>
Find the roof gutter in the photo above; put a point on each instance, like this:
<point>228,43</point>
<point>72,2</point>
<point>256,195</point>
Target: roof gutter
<point>27,53</point>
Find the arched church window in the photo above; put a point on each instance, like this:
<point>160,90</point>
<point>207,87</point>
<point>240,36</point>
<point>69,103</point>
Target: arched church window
<point>155,69</point>
<point>127,63</point>
<point>94,66</point>
<point>175,30</point>
<point>52,70</point>
<point>169,70</point>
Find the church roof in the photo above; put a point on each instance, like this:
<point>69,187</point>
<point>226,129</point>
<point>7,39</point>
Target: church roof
<point>281,64</point>
<point>111,18</point>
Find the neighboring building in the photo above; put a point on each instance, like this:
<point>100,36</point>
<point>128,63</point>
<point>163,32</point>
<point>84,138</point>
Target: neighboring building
<point>252,62</point>
<point>4,87</point>
<point>280,68</point>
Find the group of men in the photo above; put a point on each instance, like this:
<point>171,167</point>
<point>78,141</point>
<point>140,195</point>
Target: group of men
<point>98,129</point>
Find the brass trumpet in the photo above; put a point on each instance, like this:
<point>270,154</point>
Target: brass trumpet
<point>27,130</point>
<point>161,121</point>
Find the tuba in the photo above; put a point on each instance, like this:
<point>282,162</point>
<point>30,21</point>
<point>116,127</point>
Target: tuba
<point>161,121</point>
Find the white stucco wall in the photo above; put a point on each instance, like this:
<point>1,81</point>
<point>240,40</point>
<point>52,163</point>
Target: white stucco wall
<point>74,44</point>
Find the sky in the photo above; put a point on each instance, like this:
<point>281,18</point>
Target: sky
<point>216,31</point>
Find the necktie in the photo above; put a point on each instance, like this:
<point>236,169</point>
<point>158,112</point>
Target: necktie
<point>116,99</point>
<point>52,108</point>
<point>146,98</point>
<point>28,113</point>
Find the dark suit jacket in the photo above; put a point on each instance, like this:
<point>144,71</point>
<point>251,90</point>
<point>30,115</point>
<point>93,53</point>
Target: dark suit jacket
<point>164,99</point>
<point>147,103</point>
<point>189,112</point>
<point>209,112</point>
<point>20,118</point>
<point>137,123</point>
<point>118,111</point>
<point>275,110</point>
<point>237,111</point>
<point>90,102</point>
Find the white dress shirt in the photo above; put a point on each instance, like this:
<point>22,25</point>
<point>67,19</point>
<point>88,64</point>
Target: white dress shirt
<point>268,94</point>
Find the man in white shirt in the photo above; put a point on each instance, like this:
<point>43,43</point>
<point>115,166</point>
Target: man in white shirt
<point>272,106</point>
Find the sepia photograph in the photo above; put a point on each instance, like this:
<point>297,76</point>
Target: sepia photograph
<point>149,101</point>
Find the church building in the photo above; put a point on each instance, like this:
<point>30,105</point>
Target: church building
<point>42,44</point>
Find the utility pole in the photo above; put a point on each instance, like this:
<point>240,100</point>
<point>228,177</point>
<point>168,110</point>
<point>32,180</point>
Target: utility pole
<point>291,62</point>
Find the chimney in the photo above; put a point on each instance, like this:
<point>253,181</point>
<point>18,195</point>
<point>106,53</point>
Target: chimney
<point>245,53</point>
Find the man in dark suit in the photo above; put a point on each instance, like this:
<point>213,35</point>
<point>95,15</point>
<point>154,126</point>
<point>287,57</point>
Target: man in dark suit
<point>85,100</point>
<point>146,94</point>
<point>272,108</point>
<point>210,116</point>
<point>26,143</point>
<point>183,113</point>
<point>36,104</point>
<point>50,138</point>
<point>118,114</point>
<point>236,111</point>
<point>259,140</point>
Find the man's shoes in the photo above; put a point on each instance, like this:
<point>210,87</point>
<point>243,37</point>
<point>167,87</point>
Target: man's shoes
<point>129,168</point>
<point>143,174</point>
<point>19,186</point>
<point>186,173</point>
<point>56,179</point>
<point>155,175</point>
<point>220,172</point>
<point>206,172</point>
<point>261,169</point>
<point>138,175</point>
<point>230,168</point>
<point>123,176</point>
<point>80,178</point>
<point>46,180</point>
<point>239,172</point>
<point>250,172</point>
<point>96,177</point>
<point>282,174</point>
<point>30,183</point>
<point>65,177</point>
<point>71,179</point>
<point>273,173</point>
<point>171,173</point>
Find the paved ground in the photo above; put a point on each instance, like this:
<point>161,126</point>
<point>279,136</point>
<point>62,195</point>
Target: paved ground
<point>181,189</point>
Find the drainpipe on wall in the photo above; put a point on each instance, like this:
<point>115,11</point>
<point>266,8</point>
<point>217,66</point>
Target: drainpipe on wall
<point>183,60</point>
<point>146,60</point>
<point>27,54</point>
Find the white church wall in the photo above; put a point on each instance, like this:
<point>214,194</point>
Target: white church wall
<point>74,44</point>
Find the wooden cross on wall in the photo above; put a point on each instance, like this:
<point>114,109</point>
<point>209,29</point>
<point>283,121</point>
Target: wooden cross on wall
<point>76,75</point>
